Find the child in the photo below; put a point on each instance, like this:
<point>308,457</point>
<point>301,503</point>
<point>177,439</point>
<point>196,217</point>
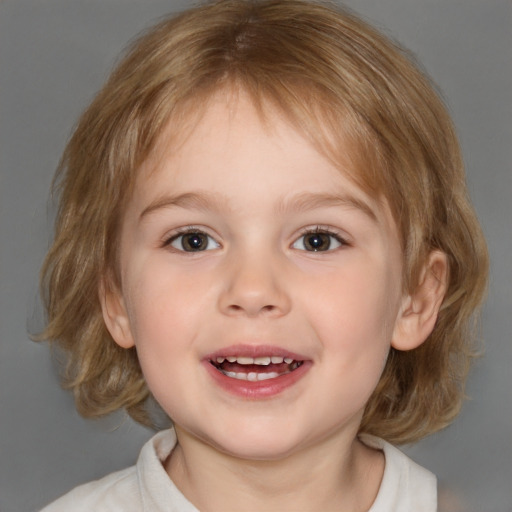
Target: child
<point>264,226</point>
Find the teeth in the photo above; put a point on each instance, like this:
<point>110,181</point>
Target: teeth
<point>251,376</point>
<point>263,361</point>
<point>266,376</point>
<point>245,360</point>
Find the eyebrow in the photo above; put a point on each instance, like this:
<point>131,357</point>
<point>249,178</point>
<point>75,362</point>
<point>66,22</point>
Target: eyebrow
<point>191,200</point>
<point>310,201</point>
<point>301,202</point>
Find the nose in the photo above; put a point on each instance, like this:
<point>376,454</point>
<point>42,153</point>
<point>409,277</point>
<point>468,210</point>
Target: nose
<point>254,286</point>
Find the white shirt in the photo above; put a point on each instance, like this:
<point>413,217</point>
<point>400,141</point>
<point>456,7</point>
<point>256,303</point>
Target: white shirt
<point>146,487</point>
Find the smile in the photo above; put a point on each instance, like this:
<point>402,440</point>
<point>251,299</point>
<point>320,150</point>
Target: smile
<point>254,369</point>
<point>256,372</point>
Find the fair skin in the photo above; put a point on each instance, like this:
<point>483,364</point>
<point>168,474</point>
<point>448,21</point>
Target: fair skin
<point>242,243</point>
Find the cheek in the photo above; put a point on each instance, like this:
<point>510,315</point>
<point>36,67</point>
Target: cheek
<point>168,306</point>
<point>160,309</point>
<point>163,331</point>
<point>359,300</point>
<point>355,315</point>
<point>163,294</point>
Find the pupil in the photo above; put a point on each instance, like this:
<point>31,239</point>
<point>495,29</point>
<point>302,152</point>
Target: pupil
<point>194,242</point>
<point>317,242</point>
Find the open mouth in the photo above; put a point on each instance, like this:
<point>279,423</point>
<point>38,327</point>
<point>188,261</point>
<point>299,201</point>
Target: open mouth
<point>255,369</point>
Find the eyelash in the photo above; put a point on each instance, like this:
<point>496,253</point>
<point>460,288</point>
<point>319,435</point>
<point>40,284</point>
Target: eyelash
<point>319,230</point>
<point>301,240</point>
<point>189,230</point>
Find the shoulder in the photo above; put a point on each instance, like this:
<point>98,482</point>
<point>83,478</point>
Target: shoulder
<point>144,487</point>
<point>405,485</point>
<point>117,491</point>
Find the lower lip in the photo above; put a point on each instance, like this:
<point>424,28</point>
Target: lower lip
<point>260,389</point>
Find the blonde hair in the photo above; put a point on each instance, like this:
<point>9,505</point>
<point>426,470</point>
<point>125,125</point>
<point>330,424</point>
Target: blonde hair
<point>335,78</point>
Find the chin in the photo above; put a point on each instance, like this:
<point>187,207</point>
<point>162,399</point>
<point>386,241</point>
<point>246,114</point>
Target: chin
<point>263,444</point>
<point>260,453</point>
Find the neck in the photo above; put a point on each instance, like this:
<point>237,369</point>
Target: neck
<point>341,474</point>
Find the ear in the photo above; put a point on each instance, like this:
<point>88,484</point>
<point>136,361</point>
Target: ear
<point>418,314</point>
<point>115,315</point>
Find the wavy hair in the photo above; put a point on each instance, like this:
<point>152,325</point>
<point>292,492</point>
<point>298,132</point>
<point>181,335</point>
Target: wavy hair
<point>335,78</point>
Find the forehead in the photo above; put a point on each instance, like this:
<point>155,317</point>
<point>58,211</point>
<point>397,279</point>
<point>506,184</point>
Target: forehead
<point>232,142</point>
<point>193,129</point>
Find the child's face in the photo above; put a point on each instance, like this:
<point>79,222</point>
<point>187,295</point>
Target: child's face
<point>218,260</point>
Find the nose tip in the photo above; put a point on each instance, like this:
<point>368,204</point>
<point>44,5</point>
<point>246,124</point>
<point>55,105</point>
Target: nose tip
<point>254,289</point>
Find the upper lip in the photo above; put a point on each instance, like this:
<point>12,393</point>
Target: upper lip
<point>255,351</point>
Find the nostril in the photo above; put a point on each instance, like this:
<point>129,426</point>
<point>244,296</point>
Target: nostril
<point>263,309</point>
<point>252,299</point>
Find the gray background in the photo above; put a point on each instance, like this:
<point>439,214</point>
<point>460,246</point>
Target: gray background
<point>54,55</point>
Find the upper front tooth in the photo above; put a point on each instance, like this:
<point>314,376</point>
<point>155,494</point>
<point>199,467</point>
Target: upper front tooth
<point>245,360</point>
<point>265,360</point>
<point>262,360</point>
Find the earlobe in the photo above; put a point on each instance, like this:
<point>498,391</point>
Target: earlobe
<point>115,315</point>
<point>418,314</point>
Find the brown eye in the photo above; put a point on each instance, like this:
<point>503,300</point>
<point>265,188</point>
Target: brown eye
<point>318,241</point>
<point>193,241</point>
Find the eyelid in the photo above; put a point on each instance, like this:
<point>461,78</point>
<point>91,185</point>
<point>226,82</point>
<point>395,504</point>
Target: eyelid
<point>187,230</point>
<point>326,230</point>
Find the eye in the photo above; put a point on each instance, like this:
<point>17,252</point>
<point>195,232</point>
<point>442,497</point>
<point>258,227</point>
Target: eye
<point>192,241</point>
<point>318,240</point>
